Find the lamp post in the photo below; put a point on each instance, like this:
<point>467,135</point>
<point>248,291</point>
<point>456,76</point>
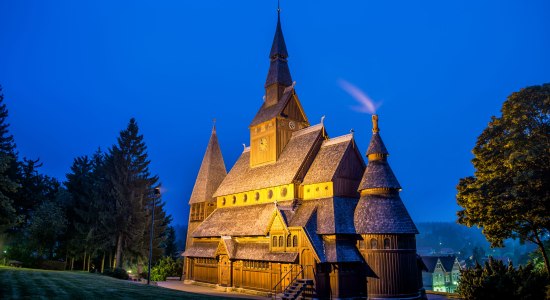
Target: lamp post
<point>157,195</point>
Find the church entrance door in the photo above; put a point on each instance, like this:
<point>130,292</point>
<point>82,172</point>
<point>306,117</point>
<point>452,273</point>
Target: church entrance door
<point>225,271</point>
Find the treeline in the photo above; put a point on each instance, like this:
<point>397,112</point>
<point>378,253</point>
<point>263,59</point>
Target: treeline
<point>99,216</point>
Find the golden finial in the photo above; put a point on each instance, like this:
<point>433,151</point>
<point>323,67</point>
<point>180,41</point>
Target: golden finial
<point>375,128</point>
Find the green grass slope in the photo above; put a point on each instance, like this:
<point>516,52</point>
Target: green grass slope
<point>18,283</point>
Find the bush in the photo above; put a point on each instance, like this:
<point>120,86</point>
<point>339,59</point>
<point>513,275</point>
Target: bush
<point>495,280</point>
<point>166,267</point>
<point>119,273</point>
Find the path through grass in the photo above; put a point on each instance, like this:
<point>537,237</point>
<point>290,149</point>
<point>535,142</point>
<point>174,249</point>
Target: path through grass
<point>18,283</point>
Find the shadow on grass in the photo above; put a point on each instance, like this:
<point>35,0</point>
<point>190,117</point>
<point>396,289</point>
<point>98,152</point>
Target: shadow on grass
<point>21,283</point>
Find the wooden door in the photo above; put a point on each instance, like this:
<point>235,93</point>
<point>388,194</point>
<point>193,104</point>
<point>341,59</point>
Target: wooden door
<point>308,263</point>
<point>225,271</point>
<point>287,276</point>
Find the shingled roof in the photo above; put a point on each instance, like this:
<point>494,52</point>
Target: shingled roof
<point>379,174</point>
<point>278,68</point>
<point>382,214</point>
<point>211,173</point>
<point>332,215</point>
<point>237,221</point>
<point>304,143</point>
<point>207,249</point>
<point>260,251</point>
<point>376,145</point>
<point>267,113</point>
<point>329,158</point>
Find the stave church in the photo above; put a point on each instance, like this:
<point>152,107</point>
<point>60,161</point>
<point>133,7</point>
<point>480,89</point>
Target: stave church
<point>300,215</point>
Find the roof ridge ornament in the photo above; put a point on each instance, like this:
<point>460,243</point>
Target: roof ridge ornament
<point>375,128</point>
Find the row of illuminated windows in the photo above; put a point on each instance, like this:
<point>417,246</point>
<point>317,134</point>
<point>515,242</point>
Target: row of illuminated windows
<point>207,261</point>
<point>251,264</point>
<point>270,193</point>
<point>279,241</point>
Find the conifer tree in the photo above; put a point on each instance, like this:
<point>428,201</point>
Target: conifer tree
<point>8,170</point>
<point>127,168</point>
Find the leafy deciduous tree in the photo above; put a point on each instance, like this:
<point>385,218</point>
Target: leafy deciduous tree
<point>509,194</point>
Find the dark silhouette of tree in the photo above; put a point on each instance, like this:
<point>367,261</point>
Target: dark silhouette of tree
<point>509,194</point>
<point>127,168</point>
<point>8,187</point>
<point>47,223</point>
<point>9,170</point>
<point>496,280</point>
<point>169,245</point>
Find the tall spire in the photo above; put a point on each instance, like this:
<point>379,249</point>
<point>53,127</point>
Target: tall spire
<point>211,173</point>
<point>278,76</point>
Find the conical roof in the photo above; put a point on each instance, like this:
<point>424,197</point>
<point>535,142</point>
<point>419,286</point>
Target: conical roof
<point>379,214</point>
<point>211,173</point>
<point>376,145</point>
<point>278,68</point>
<point>379,174</point>
<point>380,209</point>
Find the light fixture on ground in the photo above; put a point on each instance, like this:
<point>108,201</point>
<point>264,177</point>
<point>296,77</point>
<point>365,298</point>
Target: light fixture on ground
<point>156,195</point>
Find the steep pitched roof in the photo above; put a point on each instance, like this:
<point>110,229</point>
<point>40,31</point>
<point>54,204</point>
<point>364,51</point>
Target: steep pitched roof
<point>380,214</point>
<point>332,215</point>
<point>376,145</point>
<point>267,113</point>
<point>378,174</point>
<point>237,221</point>
<point>329,158</point>
<point>278,68</point>
<point>302,145</point>
<point>341,251</point>
<point>447,262</point>
<point>211,173</point>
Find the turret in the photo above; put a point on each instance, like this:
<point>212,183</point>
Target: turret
<point>387,231</point>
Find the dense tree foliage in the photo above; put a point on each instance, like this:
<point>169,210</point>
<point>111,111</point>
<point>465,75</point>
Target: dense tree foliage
<point>133,186</point>
<point>509,194</point>
<point>495,280</point>
<point>103,208</point>
<point>9,170</point>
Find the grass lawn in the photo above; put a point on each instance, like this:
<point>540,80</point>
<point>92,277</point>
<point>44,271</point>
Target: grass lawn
<point>19,283</point>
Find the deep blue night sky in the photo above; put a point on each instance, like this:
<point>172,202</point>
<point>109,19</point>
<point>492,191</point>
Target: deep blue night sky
<point>75,72</point>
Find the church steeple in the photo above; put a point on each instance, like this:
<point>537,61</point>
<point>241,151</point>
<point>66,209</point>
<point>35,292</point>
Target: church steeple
<point>211,173</point>
<point>278,76</point>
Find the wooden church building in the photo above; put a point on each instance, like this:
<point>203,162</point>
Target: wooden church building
<point>301,214</point>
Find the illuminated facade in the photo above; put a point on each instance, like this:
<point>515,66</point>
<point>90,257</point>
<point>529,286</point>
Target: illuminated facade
<point>300,213</point>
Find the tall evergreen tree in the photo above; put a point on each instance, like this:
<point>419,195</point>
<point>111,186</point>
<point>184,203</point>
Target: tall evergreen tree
<point>7,142</point>
<point>9,170</point>
<point>127,169</point>
<point>8,187</point>
<point>169,245</point>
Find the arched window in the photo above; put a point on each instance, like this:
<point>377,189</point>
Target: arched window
<point>373,244</point>
<point>289,241</point>
<point>274,241</point>
<point>295,241</point>
<point>281,241</point>
<point>387,243</point>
